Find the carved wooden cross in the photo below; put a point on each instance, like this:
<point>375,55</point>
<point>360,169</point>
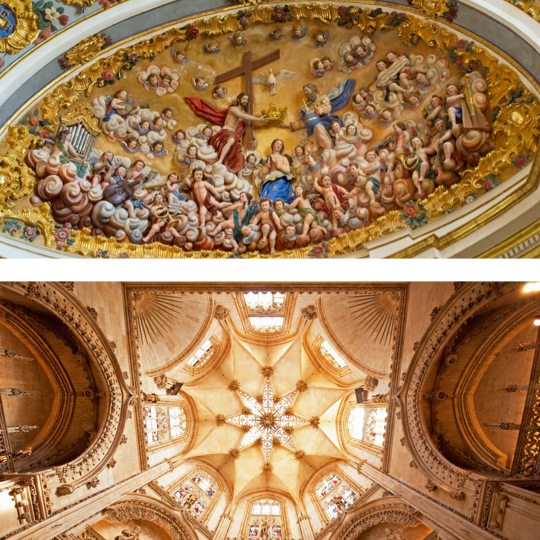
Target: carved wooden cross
<point>246,69</point>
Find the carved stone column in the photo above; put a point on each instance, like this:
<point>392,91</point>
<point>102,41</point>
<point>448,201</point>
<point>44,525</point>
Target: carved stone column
<point>305,528</point>
<point>445,521</point>
<point>71,517</point>
<point>223,527</point>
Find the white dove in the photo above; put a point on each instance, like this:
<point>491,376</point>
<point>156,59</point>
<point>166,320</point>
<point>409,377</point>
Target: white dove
<point>272,80</point>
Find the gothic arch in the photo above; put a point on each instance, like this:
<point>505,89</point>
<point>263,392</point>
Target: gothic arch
<point>145,508</point>
<point>311,484</point>
<point>56,299</point>
<point>223,487</point>
<point>435,344</point>
<point>389,510</point>
<point>254,496</point>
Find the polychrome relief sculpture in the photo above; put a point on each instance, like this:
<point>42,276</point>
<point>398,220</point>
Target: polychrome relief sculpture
<point>184,146</point>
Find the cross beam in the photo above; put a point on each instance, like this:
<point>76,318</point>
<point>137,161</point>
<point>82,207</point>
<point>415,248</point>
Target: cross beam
<point>246,69</point>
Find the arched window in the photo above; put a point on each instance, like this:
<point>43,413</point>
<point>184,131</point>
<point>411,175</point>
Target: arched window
<point>265,520</point>
<point>202,355</point>
<point>333,487</point>
<point>331,356</point>
<point>203,487</point>
<point>163,423</point>
<point>368,424</point>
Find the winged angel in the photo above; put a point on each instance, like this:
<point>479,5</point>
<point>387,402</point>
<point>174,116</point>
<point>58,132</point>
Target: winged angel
<point>272,80</point>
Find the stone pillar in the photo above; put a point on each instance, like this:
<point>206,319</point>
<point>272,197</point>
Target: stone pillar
<point>445,521</point>
<point>305,528</point>
<point>71,517</point>
<point>223,528</point>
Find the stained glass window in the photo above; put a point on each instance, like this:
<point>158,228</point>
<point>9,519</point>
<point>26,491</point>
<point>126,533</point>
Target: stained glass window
<point>327,485</point>
<point>331,356</point>
<point>266,324</point>
<point>150,424</point>
<point>276,531</point>
<point>332,511</point>
<point>197,509</point>
<point>180,494</point>
<point>203,487</point>
<point>177,419</point>
<point>356,423</point>
<point>202,355</point>
<point>253,531</point>
<point>376,426</point>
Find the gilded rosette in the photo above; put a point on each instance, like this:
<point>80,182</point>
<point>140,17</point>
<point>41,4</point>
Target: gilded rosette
<point>18,25</point>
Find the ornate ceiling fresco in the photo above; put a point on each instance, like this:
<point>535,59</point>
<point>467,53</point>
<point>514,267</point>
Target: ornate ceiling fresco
<point>267,410</point>
<point>361,122</point>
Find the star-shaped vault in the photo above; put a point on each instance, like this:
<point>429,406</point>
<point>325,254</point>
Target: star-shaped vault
<point>270,419</point>
<point>266,431</point>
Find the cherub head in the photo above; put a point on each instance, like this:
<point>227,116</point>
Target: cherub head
<point>109,156</point>
<point>139,165</point>
<point>349,59</point>
<point>416,143</point>
<point>352,130</point>
<point>290,231</point>
<point>145,125</point>
<point>245,198</point>
<point>335,126</point>
<point>399,127</point>
<point>166,80</point>
<point>245,231</point>
<point>414,100</point>
<point>299,191</point>
<point>352,169</point>
<point>180,135</point>
<point>120,171</point>
<point>297,31</point>
<point>436,101</point>
<point>327,63</point>
<point>238,40</point>
<point>197,174</point>
<point>265,204</point>
<point>299,151</point>
<point>212,47</point>
<point>381,65</point>
<point>173,177</point>
<point>192,152</point>
<point>421,78</point>
<point>158,147</point>
<point>391,56</point>
<point>207,132</point>
<point>319,37</point>
<point>167,113</point>
<point>326,181</point>
<point>279,205</point>
<point>159,123</point>
<point>132,143</point>
<point>219,92</point>
<point>452,90</point>
<point>251,159</point>
<point>360,52</point>
<point>371,155</point>
<point>387,115</point>
<point>121,94</point>
<point>153,79</point>
<point>358,99</point>
<point>370,110</point>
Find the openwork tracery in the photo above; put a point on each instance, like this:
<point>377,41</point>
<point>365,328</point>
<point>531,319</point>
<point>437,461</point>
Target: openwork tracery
<point>268,420</point>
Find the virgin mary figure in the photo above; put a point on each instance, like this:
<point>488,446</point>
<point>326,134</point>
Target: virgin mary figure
<point>273,175</point>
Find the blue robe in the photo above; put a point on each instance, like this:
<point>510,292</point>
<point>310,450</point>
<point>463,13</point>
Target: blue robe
<point>344,92</point>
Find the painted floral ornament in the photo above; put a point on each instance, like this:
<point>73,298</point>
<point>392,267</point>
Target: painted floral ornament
<point>18,25</point>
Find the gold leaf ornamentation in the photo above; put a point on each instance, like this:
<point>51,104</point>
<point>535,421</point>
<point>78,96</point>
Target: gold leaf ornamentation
<point>530,7</point>
<point>85,50</point>
<point>502,81</point>
<point>16,178</point>
<point>431,8</point>
<point>21,24</point>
